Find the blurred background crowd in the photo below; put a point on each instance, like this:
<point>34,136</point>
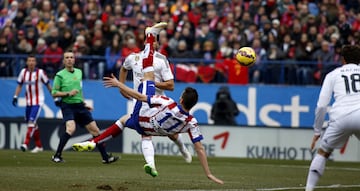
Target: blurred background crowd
<point>296,41</point>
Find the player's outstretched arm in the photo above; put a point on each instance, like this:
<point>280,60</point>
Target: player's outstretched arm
<point>114,82</point>
<point>204,163</point>
<point>122,78</point>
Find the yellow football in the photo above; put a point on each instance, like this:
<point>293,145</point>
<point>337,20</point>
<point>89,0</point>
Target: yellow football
<point>246,56</point>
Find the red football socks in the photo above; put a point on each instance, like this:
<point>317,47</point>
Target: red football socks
<point>148,53</point>
<point>109,133</point>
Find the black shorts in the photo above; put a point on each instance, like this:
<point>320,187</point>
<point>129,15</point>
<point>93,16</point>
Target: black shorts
<point>77,112</point>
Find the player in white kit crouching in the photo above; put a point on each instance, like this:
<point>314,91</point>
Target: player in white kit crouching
<point>343,84</point>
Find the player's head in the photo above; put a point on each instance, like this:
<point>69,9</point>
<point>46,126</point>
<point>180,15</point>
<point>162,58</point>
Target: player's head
<point>351,54</point>
<point>189,98</point>
<point>31,61</point>
<point>69,58</point>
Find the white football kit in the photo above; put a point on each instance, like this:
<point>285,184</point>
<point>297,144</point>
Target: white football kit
<point>162,70</point>
<point>344,116</point>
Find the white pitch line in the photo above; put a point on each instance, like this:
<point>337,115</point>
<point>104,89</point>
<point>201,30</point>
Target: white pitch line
<point>274,189</point>
<point>302,188</point>
<point>307,166</point>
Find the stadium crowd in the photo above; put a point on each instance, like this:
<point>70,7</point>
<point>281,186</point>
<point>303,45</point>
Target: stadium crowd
<point>297,42</point>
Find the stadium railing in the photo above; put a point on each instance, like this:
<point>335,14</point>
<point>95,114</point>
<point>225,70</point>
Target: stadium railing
<point>281,68</point>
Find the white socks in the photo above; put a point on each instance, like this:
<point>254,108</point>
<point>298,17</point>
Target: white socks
<point>316,170</point>
<point>148,151</point>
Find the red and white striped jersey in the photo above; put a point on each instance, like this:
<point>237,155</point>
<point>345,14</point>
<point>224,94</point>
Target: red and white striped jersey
<point>33,81</point>
<point>165,117</point>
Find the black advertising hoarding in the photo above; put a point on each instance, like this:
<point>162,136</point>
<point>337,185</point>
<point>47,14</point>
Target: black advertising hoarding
<point>13,131</point>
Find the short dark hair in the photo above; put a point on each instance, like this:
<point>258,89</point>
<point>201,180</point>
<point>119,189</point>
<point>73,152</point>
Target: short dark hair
<point>351,53</point>
<point>69,50</point>
<point>31,55</point>
<point>190,97</point>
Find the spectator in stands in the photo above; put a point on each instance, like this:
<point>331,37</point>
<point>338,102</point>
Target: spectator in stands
<point>288,48</point>
<point>181,53</point>
<point>288,16</point>
<point>344,28</point>
<point>3,17</point>
<point>187,72</point>
<point>310,23</point>
<point>194,15</point>
<point>303,52</point>
<point>325,60</point>
<point>52,58</point>
<point>129,45</point>
<point>81,51</point>
<point>13,10</point>
<point>227,69</point>
<point>323,24</point>
<point>91,19</point>
<point>51,35</point>
<point>30,31</point>
<point>164,44</point>
<point>22,47</point>
<point>44,23</point>
<point>312,33</point>
<point>355,25</point>
<point>61,9</point>
<point>66,39</point>
<point>257,71</point>
<point>174,40</point>
<point>61,25</point>
<point>237,35</point>
<point>203,33</point>
<point>95,68</point>
<point>187,35</point>
<point>34,15</point>
<point>273,68</point>
<point>209,51</point>
<point>113,56</point>
<point>331,10</point>
<point>224,109</point>
<point>40,48</point>
<point>5,60</point>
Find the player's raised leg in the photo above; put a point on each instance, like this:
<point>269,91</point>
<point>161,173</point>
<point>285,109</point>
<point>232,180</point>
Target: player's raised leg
<point>148,88</point>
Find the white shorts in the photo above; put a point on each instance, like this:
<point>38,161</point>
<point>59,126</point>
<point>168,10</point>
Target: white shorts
<point>339,131</point>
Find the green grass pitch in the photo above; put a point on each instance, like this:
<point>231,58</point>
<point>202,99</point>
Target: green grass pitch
<point>24,171</point>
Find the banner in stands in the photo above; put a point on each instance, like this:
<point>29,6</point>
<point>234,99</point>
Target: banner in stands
<point>259,105</point>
